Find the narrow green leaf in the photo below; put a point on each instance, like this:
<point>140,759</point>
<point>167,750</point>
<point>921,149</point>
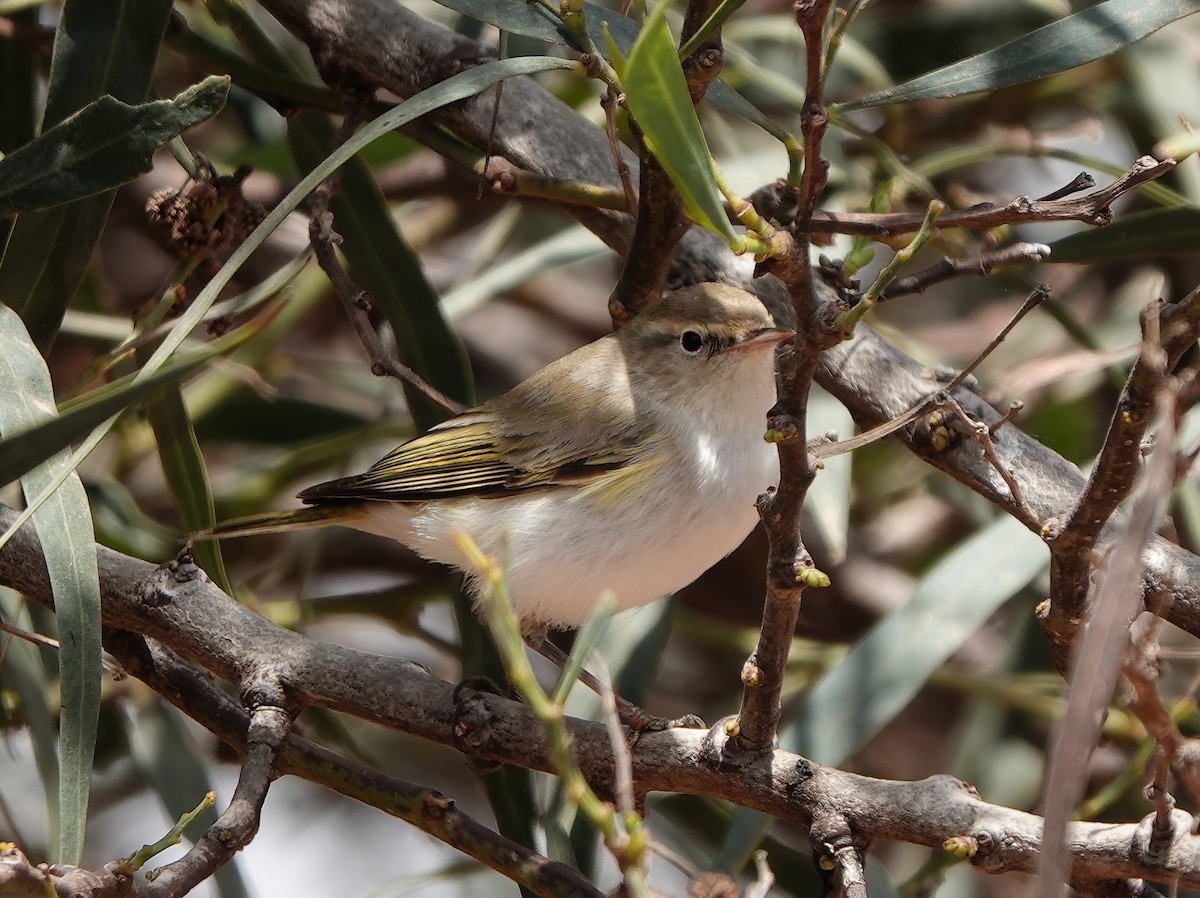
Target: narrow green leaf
<point>21,450</point>
<point>187,478</point>
<point>104,145</point>
<point>612,32</point>
<point>1142,235</point>
<point>586,640</point>
<point>1083,37</point>
<point>64,526</point>
<point>18,94</point>
<point>99,48</point>
<point>21,666</point>
<point>883,671</point>
<point>657,96</point>
<point>828,499</point>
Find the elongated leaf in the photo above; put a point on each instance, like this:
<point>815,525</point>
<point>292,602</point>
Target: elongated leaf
<point>828,499</point>
<point>1086,36</point>
<point>1155,232</point>
<point>21,451</point>
<point>187,477</point>
<point>885,669</point>
<point>22,668</point>
<point>586,640</point>
<point>657,96</point>
<point>64,527</point>
<point>99,48</point>
<point>604,26</point>
<point>104,145</point>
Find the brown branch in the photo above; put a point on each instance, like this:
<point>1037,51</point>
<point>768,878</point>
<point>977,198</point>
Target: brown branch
<point>789,564</point>
<point>1180,753</point>
<point>661,223</point>
<point>269,726</point>
<point>1073,538</point>
<point>175,605</point>
<point>660,226</point>
<point>920,281</point>
<point>194,693</point>
<point>1094,662</point>
<point>1094,208</point>
<point>355,300</point>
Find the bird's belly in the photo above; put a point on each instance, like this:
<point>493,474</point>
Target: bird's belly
<point>561,554</point>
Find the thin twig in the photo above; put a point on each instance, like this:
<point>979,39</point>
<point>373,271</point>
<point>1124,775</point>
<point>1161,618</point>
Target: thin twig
<point>824,450</point>
<point>357,301</point>
<point>1094,208</point>
<point>920,281</point>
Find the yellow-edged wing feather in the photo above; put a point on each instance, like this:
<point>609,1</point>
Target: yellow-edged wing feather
<point>528,443</point>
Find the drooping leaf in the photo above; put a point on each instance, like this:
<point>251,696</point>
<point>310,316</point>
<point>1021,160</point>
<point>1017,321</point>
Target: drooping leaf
<point>1083,37</point>
<point>22,668</point>
<point>64,527</point>
<point>1141,235</point>
<point>657,96</point>
<point>104,145</point>
<point>99,48</point>
<point>884,670</point>
<point>828,499</point>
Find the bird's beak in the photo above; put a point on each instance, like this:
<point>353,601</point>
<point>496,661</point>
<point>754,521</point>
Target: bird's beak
<point>764,336</point>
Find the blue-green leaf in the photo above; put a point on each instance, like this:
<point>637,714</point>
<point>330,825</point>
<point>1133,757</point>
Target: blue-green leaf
<point>99,48</point>
<point>1142,235</point>
<point>64,526</point>
<point>884,670</point>
<point>1086,36</point>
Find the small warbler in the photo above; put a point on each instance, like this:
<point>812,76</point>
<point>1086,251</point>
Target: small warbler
<point>631,465</point>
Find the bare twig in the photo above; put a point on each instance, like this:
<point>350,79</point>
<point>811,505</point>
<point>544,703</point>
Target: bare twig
<point>789,564</point>
<point>357,301</point>
<point>1072,539</point>
<point>1095,661</point>
<point>947,268</point>
<point>608,103</point>
<point>1093,208</point>
<point>983,435</point>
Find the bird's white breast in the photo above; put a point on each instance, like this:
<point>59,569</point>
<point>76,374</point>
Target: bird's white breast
<point>564,547</point>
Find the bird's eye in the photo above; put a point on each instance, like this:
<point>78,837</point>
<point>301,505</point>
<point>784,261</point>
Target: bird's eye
<point>691,341</point>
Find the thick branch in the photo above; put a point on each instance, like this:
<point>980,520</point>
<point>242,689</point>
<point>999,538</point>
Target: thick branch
<point>1116,469</point>
<point>191,616</point>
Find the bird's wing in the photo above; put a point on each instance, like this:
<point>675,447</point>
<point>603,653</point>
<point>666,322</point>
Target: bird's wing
<point>469,455</point>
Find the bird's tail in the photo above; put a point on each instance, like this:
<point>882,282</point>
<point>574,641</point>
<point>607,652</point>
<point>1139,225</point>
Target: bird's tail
<point>281,521</point>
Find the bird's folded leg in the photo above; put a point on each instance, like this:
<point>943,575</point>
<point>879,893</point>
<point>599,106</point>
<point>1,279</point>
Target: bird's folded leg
<point>637,719</point>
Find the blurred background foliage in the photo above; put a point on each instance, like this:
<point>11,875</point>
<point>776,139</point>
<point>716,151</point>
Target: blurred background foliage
<point>921,658</point>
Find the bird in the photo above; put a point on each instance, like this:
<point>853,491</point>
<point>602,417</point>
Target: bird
<point>629,466</point>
